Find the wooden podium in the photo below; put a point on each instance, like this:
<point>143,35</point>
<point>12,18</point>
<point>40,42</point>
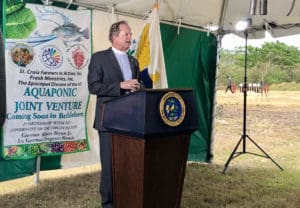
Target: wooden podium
<point>150,142</point>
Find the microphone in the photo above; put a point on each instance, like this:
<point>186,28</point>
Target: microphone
<point>138,77</point>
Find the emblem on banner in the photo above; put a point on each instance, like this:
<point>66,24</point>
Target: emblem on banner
<point>51,57</point>
<point>172,109</point>
<point>78,56</point>
<point>22,54</point>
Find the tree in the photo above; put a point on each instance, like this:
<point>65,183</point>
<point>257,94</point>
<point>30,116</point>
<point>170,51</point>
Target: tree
<point>228,66</point>
<point>272,63</point>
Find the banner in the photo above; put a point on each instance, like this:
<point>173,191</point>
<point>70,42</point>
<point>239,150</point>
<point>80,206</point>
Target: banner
<point>147,48</point>
<point>47,53</point>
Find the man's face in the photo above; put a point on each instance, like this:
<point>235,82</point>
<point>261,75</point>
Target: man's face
<point>122,41</point>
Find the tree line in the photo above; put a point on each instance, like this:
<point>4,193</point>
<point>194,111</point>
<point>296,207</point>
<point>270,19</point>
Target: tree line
<point>273,63</point>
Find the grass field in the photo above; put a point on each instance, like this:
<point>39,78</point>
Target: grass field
<point>250,181</point>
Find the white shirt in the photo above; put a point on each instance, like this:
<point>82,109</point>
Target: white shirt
<point>124,64</point>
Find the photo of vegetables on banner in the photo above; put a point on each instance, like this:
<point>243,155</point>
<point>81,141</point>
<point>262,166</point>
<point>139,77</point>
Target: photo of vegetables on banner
<point>47,50</point>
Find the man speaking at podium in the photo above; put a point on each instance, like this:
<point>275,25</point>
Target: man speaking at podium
<point>112,72</point>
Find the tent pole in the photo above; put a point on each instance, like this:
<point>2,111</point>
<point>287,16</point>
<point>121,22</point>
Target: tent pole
<point>37,170</point>
<point>215,104</point>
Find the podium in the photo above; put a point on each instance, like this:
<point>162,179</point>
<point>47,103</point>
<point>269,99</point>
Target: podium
<point>150,141</point>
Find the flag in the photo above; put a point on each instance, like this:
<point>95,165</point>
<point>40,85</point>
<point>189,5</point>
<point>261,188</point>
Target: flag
<point>147,48</point>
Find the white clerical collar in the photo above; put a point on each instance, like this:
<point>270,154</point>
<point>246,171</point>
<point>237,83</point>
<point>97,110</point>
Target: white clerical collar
<point>118,51</point>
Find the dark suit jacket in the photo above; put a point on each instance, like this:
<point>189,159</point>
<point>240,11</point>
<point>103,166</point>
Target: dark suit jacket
<point>104,79</point>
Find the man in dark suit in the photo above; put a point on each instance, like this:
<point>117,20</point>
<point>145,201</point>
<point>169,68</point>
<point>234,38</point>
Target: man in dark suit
<point>112,73</point>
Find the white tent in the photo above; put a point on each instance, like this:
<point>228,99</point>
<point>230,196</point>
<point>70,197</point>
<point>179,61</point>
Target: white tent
<point>280,18</point>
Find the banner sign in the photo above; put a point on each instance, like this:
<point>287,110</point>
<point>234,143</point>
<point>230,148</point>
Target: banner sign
<point>47,52</point>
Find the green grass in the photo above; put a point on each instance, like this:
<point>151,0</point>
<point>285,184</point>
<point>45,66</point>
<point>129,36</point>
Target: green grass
<point>205,186</point>
<point>286,86</point>
<point>77,191</point>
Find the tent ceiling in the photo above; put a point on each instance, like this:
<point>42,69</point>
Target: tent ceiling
<point>282,18</point>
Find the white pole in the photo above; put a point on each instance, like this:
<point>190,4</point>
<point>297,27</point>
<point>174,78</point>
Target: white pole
<point>37,170</point>
<point>213,122</point>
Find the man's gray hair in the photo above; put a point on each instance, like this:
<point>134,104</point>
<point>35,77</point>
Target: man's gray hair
<point>115,29</point>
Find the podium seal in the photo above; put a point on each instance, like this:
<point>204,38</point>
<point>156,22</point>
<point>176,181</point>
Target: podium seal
<point>172,109</point>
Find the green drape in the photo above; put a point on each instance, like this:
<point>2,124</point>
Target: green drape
<point>190,59</point>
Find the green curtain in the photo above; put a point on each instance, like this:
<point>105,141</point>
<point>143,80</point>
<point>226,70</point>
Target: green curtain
<point>190,59</point>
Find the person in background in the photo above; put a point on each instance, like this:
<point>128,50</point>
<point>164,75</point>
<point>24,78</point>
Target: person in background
<point>229,84</point>
<point>261,85</point>
<point>112,73</point>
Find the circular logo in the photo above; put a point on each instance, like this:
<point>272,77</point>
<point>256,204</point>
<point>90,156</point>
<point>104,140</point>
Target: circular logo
<point>51,57</point>
<point>172,109</point>
<point>22,54</point>
<point>78,56</point>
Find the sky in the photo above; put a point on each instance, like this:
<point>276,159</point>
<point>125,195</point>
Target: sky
<point>231,41</point>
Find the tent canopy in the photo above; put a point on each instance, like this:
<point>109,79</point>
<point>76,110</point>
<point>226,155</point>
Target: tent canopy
<point>279,18</point>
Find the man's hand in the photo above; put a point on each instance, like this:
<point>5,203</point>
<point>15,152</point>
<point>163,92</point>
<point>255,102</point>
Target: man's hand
<point>132,85</point>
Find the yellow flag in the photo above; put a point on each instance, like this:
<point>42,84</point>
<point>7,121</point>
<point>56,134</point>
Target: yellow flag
<point>147,48</point>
